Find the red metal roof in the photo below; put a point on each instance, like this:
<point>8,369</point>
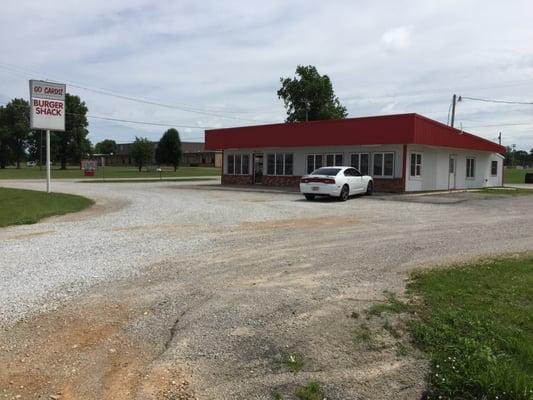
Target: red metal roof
<point>387,129</point>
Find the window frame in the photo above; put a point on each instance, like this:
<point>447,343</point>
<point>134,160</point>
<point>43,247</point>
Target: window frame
<point>472,168</point>
<point>383,154</point>
<point>358,167</point>
<point>492,163</point>
<point>283,157</point>
<point>417,165</point>
<point>238,171</point>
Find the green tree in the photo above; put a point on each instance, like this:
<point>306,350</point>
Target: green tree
<point>309,96</point>
<point>72,144</point>
<point>5,154</point>
<point>16,127</point>
<point>168,150</point>
<point>106,146</point>
<point>142,152</point>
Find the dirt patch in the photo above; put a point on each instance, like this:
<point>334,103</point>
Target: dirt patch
<point>102,206</point>
<point>85,351</point>
<point>29,235</point>
<point>300,223</point>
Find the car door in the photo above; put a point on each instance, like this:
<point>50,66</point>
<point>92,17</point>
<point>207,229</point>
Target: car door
<point>353,180</point>
<point>359,184</point>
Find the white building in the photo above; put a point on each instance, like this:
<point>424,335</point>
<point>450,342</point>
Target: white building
<point>403,153</point>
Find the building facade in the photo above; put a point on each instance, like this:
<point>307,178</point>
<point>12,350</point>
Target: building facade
<point>403,153</point>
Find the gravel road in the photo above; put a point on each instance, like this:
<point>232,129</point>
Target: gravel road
<point>174,290</point>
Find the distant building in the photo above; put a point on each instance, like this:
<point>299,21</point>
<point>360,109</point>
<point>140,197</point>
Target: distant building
<point>194,155</point>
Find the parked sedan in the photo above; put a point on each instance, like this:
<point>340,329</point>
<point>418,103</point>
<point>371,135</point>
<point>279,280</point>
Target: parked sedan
<point>341,182</point>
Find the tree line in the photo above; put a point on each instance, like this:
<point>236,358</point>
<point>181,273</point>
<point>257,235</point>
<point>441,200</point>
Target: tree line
<point>19,143</point>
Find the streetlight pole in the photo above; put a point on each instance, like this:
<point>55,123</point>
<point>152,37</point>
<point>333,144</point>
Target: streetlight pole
<point>48,183</point>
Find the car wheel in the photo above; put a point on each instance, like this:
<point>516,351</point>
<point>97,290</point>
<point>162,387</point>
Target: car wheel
<point>309,196</point>
<point>369,188</point>
<point>345,193</point>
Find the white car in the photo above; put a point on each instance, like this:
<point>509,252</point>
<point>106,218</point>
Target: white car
<point>341,182</point>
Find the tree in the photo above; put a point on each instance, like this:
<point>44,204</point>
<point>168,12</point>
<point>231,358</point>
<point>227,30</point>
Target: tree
<point>168,150</point>
<point>16,128</point>
<point>142,152</point>
<point>310,96</point>
<point>106,146</point>
<point>72,144</point>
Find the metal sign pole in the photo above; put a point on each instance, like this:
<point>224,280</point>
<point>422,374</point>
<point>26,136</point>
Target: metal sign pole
<point>48,186</point>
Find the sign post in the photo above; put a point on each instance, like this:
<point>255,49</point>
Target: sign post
<point>47,111</point>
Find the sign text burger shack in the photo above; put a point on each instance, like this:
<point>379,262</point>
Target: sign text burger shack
<point>47,105</point>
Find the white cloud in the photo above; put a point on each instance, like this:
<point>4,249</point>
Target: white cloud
<point>397,39</point>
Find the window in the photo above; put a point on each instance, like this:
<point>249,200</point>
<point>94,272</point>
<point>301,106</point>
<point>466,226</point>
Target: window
<point>314,161</point>
<point>238,164</point>
<point>494,168</point>
<point>351,172</point>
<point>279,164</point>
<point>416,164</point>
<point>470,168</point>
<point>383,164</point>
<point>360,162</point>
<point>334,160</point>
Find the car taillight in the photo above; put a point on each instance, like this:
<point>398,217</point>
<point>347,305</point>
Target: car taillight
<point>328,181</point>
<point>304,180</point>
<point>318,180</point>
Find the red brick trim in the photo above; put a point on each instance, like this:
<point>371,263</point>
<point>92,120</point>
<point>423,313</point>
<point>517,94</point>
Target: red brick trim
<point>286,181</point>
<point>237,180</point>
<point>396,185</point>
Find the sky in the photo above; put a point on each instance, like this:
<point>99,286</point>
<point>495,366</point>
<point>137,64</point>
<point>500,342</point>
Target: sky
<point>209,64</point>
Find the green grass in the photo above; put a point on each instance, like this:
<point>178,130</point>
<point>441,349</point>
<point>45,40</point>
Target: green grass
<point>145,180</point>
<point>508,191</point>
<point>513,175</point>
<point>362,334</point>
<point>392,305</point>
<point>311,391</point>
<point>28,206</point>
<point>476,324</point>
<point>294,362</point>
<point>107,172</point>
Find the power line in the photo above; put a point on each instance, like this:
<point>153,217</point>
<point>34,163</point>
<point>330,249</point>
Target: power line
<point>106,92</point>
<point>527,103</point>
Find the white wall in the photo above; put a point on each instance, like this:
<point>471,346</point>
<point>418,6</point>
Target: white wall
<point>435,169</point>
<point>300,155</point>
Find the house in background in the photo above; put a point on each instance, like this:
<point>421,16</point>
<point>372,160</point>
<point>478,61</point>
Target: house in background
<point>403,153</point>
<point>194,155</point>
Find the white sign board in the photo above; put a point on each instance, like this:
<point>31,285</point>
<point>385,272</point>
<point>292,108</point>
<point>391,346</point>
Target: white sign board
<point>47,104</point>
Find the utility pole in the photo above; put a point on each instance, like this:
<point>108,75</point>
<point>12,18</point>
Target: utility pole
<point>454,100</point>
<point>500,139</point>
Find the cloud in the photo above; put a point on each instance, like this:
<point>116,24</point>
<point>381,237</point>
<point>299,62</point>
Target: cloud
<point>397,39</point>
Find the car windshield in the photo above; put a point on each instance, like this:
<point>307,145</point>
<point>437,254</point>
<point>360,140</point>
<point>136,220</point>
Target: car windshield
<point>326,171</point>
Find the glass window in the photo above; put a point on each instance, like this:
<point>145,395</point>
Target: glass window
<point>319,161</point>
<point>271,164</point>
<point>354,160</point>
<point>470,167</point>
<point>237,164</point>
<point>416,164</point>
<point>363,166</point>
<point>327,171</point>
<point>245,164</point>
<point>452,166</point>
<point>494,168</point>
<point>279,164</point>
<point>378,164</point>
<point>288,164</point>
<point>330,160</point>
<point>231,164</point>
<point>338,159</point>
<point>389,164</point>
<point>310,163</point>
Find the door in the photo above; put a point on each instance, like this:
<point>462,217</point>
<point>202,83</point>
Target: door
<point>258,168</point>
<point>354,180</point>
<point>452,171</point>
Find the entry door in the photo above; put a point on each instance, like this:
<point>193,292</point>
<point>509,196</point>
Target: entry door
<point>258,168</point>
<point>452,171</point>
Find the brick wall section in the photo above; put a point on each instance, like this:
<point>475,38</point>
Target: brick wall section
<point>389,185</point>
<point>237,179</point>
<point>286,181</point>
<point>380,185</point>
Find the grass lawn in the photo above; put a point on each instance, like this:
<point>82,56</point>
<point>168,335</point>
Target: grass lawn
<point>107,172</point>
<point>19,206</point>
<point>476,324</point>
<point>184,179</point>
<point>512,175</point>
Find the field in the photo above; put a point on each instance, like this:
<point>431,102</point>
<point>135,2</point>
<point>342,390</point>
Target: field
<point>512,175</point>
<point>29,206</point>
<point>107,172</point>
<point>477,326</point>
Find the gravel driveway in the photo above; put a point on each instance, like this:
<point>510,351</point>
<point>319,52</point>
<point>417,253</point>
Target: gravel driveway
<point>178,291</point>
